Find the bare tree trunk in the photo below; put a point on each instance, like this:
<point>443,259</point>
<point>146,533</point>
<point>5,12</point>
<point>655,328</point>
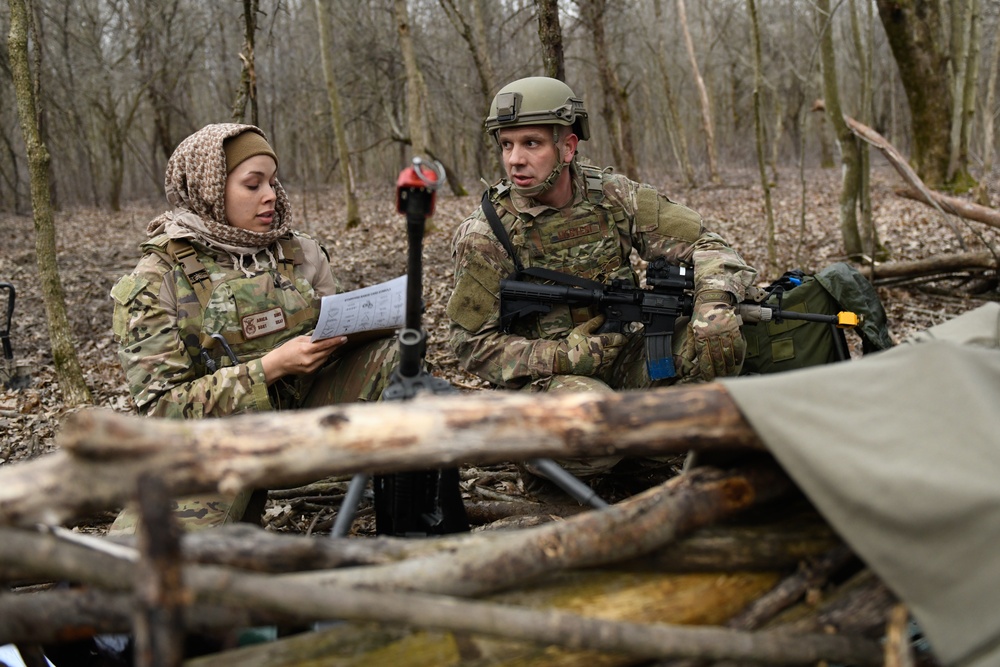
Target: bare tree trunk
<point>825,154</point>
<point>675,130</point>
<point>615,107</point>
<point>336,115</point>
<point>964,180</point>
<point>957,64</point>
<point>416,97</point>
<point>758,82</point>
<point>703,103</point>
<point>913,31</point>
<point>550,35</point>
<point>416,120</point>
<point>68,371</point>
<point>863,48</point>
<point>779,127</point>
<point>964,62</point>
<point>989,152</point>
<point>849,156</point>
<point>474,35</point>
<point>247,91</point>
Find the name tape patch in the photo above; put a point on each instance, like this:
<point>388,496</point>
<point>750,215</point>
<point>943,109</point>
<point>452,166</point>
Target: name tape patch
<point>264,323</point>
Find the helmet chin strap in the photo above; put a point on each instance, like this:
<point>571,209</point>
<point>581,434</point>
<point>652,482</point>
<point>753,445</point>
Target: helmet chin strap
<point>547,184</point>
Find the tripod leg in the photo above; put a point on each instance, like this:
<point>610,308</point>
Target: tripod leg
<point>580,492</point>
<point>348,508</point>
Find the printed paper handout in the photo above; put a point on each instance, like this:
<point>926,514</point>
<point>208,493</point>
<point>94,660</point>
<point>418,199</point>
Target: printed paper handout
<point>374,308</point>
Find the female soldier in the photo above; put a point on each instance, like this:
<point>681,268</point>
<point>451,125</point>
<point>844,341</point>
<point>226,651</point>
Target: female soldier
<point>213,321</point>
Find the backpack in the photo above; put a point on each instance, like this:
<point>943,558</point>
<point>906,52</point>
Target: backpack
<point>784,344</point>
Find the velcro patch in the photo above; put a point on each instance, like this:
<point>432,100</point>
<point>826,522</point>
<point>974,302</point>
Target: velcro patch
<point>476,297</point>
<point>264,323</point>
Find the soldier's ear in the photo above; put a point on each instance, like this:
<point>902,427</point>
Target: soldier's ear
<point>569,147</point>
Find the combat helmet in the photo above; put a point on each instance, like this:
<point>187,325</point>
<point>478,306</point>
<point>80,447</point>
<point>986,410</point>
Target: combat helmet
<point>538,100</point>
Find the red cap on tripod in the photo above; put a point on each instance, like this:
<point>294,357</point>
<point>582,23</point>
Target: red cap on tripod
<point>421,175</point>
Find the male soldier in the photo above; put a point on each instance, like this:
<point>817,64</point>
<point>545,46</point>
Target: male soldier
<point>555,212</point>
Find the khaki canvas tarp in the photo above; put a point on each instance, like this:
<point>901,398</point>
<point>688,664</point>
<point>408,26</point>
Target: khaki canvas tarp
<point>900,451</point>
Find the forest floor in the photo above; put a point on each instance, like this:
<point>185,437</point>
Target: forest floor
<point>96,246</point>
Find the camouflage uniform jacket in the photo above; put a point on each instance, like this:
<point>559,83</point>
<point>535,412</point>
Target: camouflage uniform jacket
<point>254,309</point>
<point>610,217</point>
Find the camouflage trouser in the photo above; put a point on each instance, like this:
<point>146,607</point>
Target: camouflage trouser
<point>358,375</point>
<point>629,372</point>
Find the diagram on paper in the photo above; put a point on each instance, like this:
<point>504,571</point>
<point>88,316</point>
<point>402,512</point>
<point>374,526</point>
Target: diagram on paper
<point>381,306</point>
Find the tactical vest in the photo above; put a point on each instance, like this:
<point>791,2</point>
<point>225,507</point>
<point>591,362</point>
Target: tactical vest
<point>587,244</point>
<point>253,315</point>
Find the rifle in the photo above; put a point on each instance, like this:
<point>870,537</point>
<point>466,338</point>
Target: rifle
<point>622,304</point>
<point>427,502</point>
<point>656,308</point>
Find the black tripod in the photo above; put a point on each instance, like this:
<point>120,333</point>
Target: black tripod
<point>425,502</point>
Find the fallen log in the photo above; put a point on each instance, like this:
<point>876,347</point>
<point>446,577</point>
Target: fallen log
<point>725,547</point>
<point>611,595</point>
<point>654,640</point>
<point>470,564</point>
<point>699,598</point>
<point>160,595</point>
<point>776,538</point>
<point>939,265</point>
<point>102,454</point>
<point>918,191</point>
<point>953,205</point>
<point>859,606</point>
<point>902,168</point>
<point>490,562</point>
<point>811,575</point>
<point>62,615</point>
<point>308,602</point>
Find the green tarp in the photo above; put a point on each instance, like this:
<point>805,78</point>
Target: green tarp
<point>900,451</point>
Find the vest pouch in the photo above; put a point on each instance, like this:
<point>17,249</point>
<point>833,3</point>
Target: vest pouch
<point>257,314</point>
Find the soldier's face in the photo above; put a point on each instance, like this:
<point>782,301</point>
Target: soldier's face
<point>250,194</point>
<point>530,154</point>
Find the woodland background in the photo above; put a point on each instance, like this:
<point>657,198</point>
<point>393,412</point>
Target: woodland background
<point>120,83</point>
<point>732,107</point>
<point>742,110</point>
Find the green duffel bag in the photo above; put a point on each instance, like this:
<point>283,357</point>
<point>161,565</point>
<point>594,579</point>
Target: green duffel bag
<point>786,344</point>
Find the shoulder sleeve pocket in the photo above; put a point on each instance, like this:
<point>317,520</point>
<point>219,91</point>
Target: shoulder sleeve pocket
<point>473,303</point>
<point>123,293</point>
<point>655,212</point>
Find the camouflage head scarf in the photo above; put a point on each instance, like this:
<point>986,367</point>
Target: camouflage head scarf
<point>195,183</point>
